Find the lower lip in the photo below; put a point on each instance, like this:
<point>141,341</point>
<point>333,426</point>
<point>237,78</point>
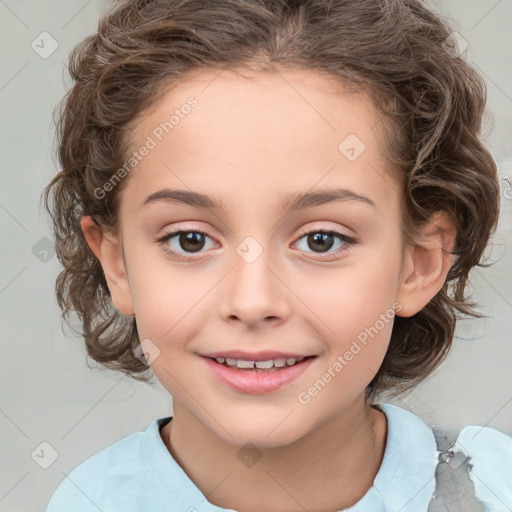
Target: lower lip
<point>257,383</point>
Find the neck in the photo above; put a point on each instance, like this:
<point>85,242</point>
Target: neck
<point>331,468</point>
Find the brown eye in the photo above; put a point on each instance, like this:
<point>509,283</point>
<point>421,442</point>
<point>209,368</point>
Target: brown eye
<point>191,241</point>
<point>184,243</point>
<point>323,241</point>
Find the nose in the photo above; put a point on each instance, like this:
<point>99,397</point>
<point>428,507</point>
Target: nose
<point>254,290</point>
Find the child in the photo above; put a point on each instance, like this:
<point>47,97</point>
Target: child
<point>324,156</point>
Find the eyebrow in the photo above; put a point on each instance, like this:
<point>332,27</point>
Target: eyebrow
<point>298,201</point>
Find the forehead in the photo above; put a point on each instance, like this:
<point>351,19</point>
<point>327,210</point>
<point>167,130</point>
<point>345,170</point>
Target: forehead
<point>261,103</point>
<point>236,137</point>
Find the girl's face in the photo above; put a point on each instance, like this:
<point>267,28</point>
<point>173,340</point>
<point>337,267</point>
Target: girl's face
<point>262,277</point>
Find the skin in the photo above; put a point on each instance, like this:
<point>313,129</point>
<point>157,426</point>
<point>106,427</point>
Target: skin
<point>250,143</point>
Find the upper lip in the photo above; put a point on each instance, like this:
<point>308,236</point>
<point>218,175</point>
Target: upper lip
<point>264,355</point>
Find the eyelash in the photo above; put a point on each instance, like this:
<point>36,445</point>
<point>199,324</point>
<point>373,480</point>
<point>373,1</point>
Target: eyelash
<point>348,241</point>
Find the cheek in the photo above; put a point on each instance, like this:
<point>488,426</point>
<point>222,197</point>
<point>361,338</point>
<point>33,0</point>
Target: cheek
<point>167,312</point>
<point>353,312</point>
<point>348,299</point>
<point>171,308</point>
<point>163,293</point>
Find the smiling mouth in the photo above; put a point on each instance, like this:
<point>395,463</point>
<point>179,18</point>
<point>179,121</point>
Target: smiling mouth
<point>270,366</point>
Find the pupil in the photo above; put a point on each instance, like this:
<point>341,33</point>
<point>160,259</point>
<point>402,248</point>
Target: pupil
<point>319,238</point>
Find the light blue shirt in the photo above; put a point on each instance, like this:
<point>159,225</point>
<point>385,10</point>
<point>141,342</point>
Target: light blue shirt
<point>138,474</point>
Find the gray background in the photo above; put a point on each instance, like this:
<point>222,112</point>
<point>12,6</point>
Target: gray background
<point>48,394</point>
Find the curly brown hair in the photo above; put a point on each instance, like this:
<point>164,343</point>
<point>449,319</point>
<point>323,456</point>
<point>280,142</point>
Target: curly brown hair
<point>399,51</point>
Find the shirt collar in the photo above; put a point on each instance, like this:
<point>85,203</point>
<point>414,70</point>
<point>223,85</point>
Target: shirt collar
<point>405,480</point>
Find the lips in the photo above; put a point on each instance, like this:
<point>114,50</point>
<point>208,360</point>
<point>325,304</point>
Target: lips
<point>256,381</point>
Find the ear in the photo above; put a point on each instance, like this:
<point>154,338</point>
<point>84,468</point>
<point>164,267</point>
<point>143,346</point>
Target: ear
<point>108,251</point>
<point>426,264</point>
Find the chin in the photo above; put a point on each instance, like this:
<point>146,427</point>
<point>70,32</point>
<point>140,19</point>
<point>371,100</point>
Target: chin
<point>263,435</point>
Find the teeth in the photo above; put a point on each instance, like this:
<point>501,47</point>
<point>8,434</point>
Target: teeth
<point>264,364</point>
<point>245,364</point>
<point>278,363</point>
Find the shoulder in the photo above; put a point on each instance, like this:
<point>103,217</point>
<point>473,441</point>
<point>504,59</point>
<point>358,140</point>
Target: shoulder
<point>488,453</point>
<point>475,460</point>
<point>117,470</point>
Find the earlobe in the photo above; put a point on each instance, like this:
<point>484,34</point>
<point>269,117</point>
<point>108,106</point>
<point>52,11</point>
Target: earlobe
<point>108,251</point>
<point>426,265</point>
